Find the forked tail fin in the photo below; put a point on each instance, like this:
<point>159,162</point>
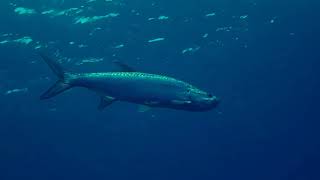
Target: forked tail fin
<point>63,82</point>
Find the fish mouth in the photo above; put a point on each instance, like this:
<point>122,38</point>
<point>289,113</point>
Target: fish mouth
<point>211,102</point>
<point>215,102</point>
<point>206,104</point>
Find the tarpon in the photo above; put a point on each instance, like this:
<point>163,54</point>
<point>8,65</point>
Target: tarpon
<point>146,89</point>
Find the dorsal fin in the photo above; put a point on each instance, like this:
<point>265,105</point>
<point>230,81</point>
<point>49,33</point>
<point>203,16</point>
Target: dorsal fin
<point>124,67</point>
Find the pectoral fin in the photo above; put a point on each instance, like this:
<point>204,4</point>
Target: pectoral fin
<point>105,101</point>
<point>180,102</point>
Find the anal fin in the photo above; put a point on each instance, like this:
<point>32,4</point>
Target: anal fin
<point>105,101</point>
<point>143,108</point>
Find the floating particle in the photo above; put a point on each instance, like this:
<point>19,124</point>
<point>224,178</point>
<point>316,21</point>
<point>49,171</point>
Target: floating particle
<point>13,91</point>
<point>273,20</point>
<point>95,30</point>
<point>4,42</point>
<point>119,46</point>
<point>190,50</point>
<point>24,40</point>
<point>89,60</point>
<point>7,34</point>
<point>51,11</point>
<point>38,47</point>
<point>210,14</point>
<point>65,12</point>
<point>84,20</point>
<point>156,40</point>
<point>24,11</point>
<point>82,46</point>
<point>53,109</point>
<point>244,17</point>
<point>224,29</point>
<point>163,17</point>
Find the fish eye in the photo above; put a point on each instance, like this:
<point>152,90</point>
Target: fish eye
<point>210,95</point>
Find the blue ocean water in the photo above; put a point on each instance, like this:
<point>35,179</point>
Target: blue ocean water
<point>260,57</point>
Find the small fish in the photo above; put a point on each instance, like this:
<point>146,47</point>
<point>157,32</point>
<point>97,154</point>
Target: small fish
<point>149,90</point>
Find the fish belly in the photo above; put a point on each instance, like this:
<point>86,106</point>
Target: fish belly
<point>139,90</point>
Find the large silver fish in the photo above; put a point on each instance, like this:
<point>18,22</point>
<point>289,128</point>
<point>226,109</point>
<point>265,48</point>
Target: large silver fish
<point>136,87</point>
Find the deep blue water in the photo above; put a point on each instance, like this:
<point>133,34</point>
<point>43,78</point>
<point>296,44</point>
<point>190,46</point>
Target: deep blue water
<point>260,57</point>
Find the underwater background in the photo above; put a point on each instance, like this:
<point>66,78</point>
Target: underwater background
<point>260,57</point>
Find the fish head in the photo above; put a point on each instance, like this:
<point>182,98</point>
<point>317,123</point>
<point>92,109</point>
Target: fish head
<point>200,100</point>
